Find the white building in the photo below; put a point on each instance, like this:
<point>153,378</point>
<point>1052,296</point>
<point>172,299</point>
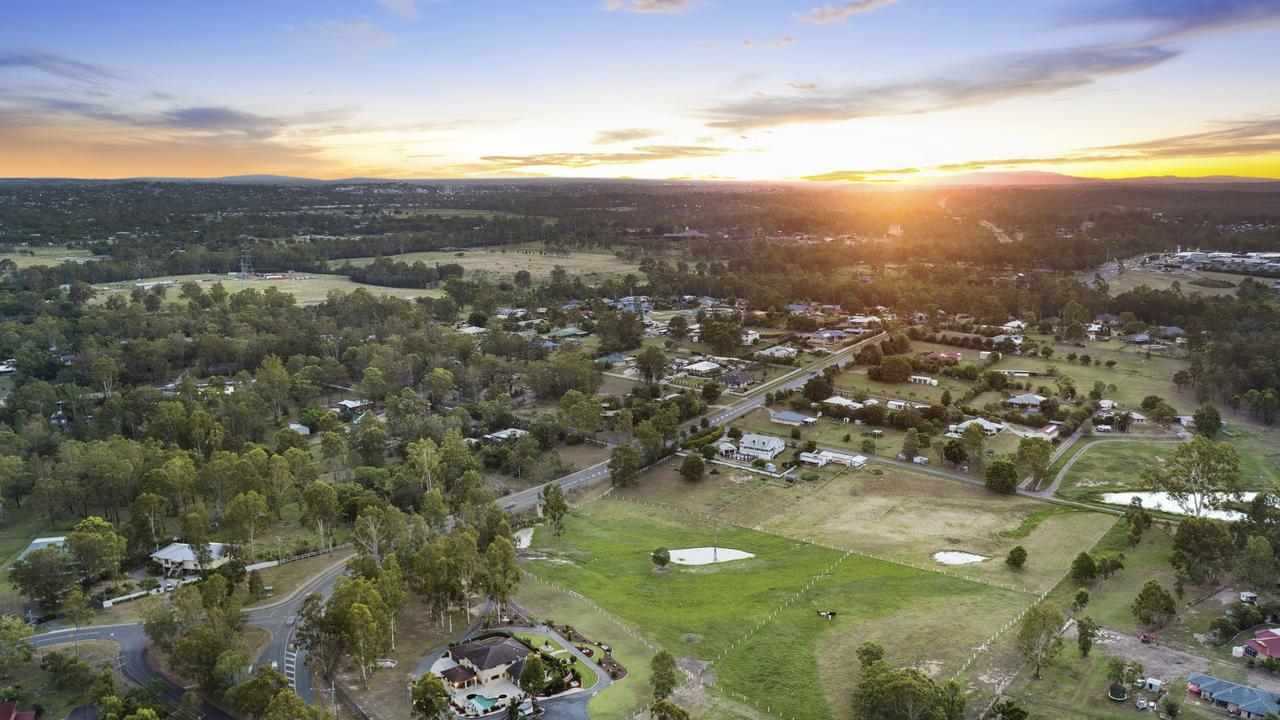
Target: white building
<point>177,558</point>
<point>508,435</point>
<point>750,337</point>
<point>703,368</point>
<point>989,428</point>
<point>923,380</point>
<point>765,447</point>
<point>779,352</point>
<point>842,402</point>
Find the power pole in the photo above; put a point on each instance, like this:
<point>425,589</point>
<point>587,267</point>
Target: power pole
<point>246,260</point>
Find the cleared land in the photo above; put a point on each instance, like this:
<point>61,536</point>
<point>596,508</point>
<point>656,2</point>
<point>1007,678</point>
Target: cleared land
<point>907,516</point>
<point>311,289</point>
<point>507,260</point>
<point>798,661</point>
<point>31,256</point>
<point>1133,279</point>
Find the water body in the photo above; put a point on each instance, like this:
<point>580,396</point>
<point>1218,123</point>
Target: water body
<point>956,557</point>
<point>1162,501</point>
<point>707,555</point>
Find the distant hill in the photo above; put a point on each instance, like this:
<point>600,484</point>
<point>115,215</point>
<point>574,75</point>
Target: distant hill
<point>1039,178</point>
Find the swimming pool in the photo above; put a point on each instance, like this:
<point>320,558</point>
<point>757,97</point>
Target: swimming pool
<point>483,704</point>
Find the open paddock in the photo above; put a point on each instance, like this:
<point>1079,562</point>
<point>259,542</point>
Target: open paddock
<point>507,260</point>
<point>307,288</point>
<point>756,620</point>
<point>32,256</point>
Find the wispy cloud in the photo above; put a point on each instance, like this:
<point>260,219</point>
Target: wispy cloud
<point>360,34</point>
<point>802,86</point>
<point>406,9</point>
<point>642,154</point>
<point>608,137</point>
<point>56,65</point>
<point>1229,137</point>
<point>779,42</point>
<point>669,7</point>
<point>1168,20</point>
<point>860,175</point>
<point>981,82</point>
<point>829,13</point>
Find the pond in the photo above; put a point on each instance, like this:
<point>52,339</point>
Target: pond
<point>1161,501</point>
<point>707,555</point>
<point>956,557</point>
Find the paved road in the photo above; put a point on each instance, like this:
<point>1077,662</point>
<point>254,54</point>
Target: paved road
<point>279,617</point>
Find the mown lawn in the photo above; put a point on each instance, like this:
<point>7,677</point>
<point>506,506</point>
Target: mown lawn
<point>700,612</point>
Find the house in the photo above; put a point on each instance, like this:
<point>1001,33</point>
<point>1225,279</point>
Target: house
<point>864,321</point>
<point>896,405</point>
<point>765,447</point>
<point>9,711</point>
<point>354,406</point>
<point>705,368</point>
<point>1106,319</point>
<point>990,429</point>
<point>471,330</point>
<point>778,352</point>
<point>486,660</point>
<point>1015,340</point>
<point>814,459</point>
<point>1170,331</point>
<point>1138,339</point>
<point>178,557</point>
<point>1137,418</point>
<point>1187,421</point>
<point>1049,432</point>
<point>749,337</point>
<point>1025,400</point>
<point>828,337</point>
<point>568,333</point>
<point>299,428</point>
<point>1233,699</point>
<point>504,436</point>
<point>737,379</point>
<point>842,402</point>
<point>795,419</point>
<point>1014,327</point>
<point>1106,405</point>
<point>923,380</point>
<point>839,458</point>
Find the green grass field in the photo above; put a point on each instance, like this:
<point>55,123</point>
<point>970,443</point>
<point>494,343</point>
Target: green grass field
<point>313,289</point>
<point>506,260</point>
<point>798,662</point>
<point>32,256</point>
<point>1133,279</point>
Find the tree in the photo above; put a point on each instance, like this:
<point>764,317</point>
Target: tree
<point>663,676</point>
<point>894,369</point>
<point>554,507</point>
<point>661,557</point>
<point>76,608</point>
<point>678,327</point>
<point>1086,633</point>
<point>364,636</point>
<point>1080,600</point>
<point>44,575</point>
<point>334,449</point>
<point>954,452</point>
<point>911,443</point>
<point>15,644</point>
<point>1083,568</point>
<point>1154,606</point>
<point>96,547</point>
<point>246,515</point>
<point>1257,563</point>
<point>1016,557</point>
<point>1008,710</point>
<point>1002,476</point>
<point>1208,421</point>
<point>323,511</point>
<point>817,388</point>
<point>271,381</point>
<point>288,705</point>
<point>1200,475</point>
<point>624,466</point>
<point>1203,549</point>
<point>693,467</point>
<point>667,710</point>
<point>1033,456</point>
<point>651,363</point>
<point>500,573</point>
<point>254,695</point>
<point>533,677</point>
<point>1039,635</point>
<point>974,439</point>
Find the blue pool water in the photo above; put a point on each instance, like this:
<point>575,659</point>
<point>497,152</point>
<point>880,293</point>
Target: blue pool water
<point>483,703</point>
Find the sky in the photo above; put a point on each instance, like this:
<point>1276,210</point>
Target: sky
<point>868,91</point>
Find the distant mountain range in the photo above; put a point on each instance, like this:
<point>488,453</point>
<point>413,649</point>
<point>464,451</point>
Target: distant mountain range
<point>1033,178</point>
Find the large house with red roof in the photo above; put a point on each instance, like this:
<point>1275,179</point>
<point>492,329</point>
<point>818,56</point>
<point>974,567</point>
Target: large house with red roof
<point>1265,643</point>
<point>9,711</point>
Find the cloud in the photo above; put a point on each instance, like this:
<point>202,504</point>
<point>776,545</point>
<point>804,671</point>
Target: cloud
<point>669,7</point>
<point>802,86</point>
<point>359,34</point>
<point>406,9</point>
<point>981,82</point>
<point>56,65</point>
<point>608,137</point>
<point>1170,20</point>
<point>645,153</point>
<point>780,42</point>
<point>859,175</point>
<point>1228,137</point>
<point>828,14</point>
